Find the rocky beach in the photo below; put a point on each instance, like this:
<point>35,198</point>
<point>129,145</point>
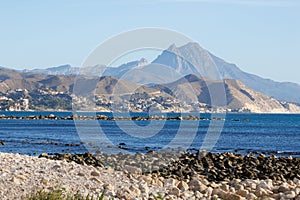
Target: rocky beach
<point>155,175</point>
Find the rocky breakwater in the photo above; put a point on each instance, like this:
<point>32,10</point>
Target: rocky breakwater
<point>111,118</point>
<point>202,175</point>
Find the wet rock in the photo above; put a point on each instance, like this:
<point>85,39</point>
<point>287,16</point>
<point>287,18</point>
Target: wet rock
<point>43,155</point>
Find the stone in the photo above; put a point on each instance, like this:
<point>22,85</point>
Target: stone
<point>159,183</point>
<point>125,193</point>
<point>21,177</point>
<point>232,196</point>
<point>183,186</point>
<point>239,187</point>
<point>174,191</point>
<point>144,188</point>
<point>219,192</point>
<point>251,196</point>
<point>108,186</point>
<point>95,173</point>
<point>289,195</point>
<point>198,194</point>
<point>95,180</point>
<point>297,190</point>
<point>235,181</point>
<point>135,191</point>
<point>205,181</point>
<point>16,181</point>
<point>208,191</point>
<point>284,187</point>
<point>261,192</point>
<point>296,181</point>
<point>266,184</point>
<point>214,185</point>
<point>45,181</point>
<point>188,195</point>
<point>232,189</point>
<point>45,155</point>
<point>147,179</point>
<point>132,170</point>
<point>242,192</point>
<point>81,174</point>
<point>291,183</point>
<point>225,187</point>
<point>169,182</point>
<point>196,185</point>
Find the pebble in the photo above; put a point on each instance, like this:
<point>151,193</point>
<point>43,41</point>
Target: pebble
<point>95,173</point>
<point>183,186</point>
<point>20,175</point>
<point>174,191</point>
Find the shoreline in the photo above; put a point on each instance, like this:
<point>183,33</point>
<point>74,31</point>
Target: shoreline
<point>21,175</point>
<point>162,112</point>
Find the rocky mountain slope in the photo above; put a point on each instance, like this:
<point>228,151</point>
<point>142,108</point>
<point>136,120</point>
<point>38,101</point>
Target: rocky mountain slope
<point>189,93</point>
<point>237,95</point>
<point>193,59</point>
<point>177,62</point>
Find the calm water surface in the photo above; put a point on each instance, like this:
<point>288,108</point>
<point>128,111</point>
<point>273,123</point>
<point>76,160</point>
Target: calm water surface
<point>275,133</point>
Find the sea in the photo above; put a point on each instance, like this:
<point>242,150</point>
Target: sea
<point>277,134</point>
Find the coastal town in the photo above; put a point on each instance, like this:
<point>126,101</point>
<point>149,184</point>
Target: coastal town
<point>48,99</point>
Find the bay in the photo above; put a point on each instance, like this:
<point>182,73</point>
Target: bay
<point>270,133</point>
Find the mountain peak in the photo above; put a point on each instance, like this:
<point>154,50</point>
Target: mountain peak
<point>172,47</point>
<point>192,45</point>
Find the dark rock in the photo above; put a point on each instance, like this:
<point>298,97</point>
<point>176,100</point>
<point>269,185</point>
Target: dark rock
<point>227,166</point>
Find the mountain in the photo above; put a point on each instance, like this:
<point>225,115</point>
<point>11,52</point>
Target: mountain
<point>237,95</point>
<point>11,80</point>
<point>192,58</point>
<point>19,90</point>
<point>60,70</point>
<point>177,62</point>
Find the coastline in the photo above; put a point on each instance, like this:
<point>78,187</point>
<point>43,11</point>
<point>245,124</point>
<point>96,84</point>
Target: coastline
<point>21,175</point>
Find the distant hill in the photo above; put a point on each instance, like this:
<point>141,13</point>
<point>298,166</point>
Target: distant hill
<point>238,95</point>
<point>60,70</point>
<point>204,63</point>
<point>11,80</point>
<point>177,62</point>
<point>189,93</point>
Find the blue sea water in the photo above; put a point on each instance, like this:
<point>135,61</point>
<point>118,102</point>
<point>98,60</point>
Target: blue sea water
<point>271,133</point>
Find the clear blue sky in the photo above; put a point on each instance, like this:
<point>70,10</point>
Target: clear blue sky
<point>261,37</point>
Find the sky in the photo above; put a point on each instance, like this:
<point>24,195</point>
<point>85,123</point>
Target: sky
<point>260,37</point>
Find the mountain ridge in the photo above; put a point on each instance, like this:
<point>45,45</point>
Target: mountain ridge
<point>189,93</point>
<point>191,58</point>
